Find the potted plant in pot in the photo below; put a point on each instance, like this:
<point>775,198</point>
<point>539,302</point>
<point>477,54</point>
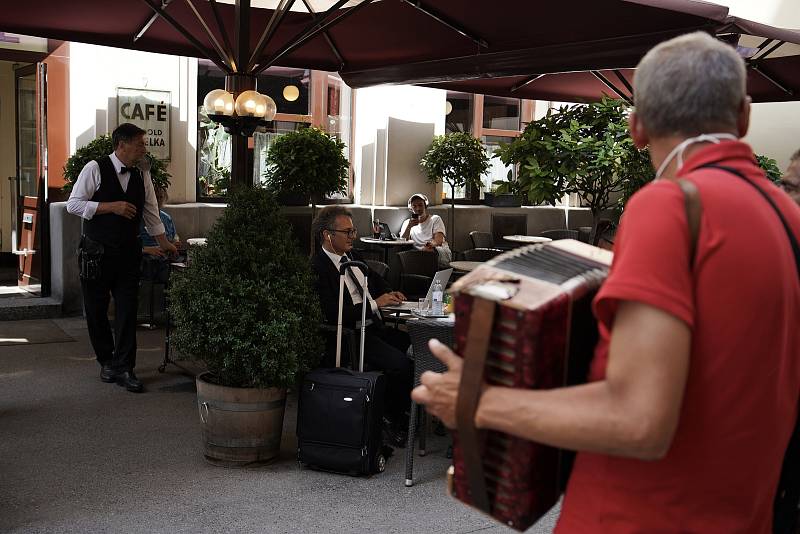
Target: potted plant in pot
<point>583,149</point>
<point>102,146</point>
<point>457,159</point>
<point>245,307</point>
<point>504,193</point>
<point>305,166</point>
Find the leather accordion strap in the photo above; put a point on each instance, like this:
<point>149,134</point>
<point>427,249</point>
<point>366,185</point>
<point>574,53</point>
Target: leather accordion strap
<point>691,200</point>
<point>469,394</point>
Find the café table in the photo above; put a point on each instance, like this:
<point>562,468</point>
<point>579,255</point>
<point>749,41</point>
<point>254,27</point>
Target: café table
<point>385,244</point>
<point>526,239</point>
<point>465,266</point>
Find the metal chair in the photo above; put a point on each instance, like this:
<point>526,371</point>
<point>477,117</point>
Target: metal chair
<point>421,331</point>
<point>481,254</point>
<point>508,224</point>
<point>560,234</point>
<point>481,239</point>
<point>417,269</point>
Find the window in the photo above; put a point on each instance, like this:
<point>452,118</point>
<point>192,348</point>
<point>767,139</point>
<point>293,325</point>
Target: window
<point>497,169</point>
<point>501,113</point>
<point>339,121</point>
<point>458,111</point>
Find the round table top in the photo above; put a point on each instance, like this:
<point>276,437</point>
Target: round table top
<point>387,242</point>
<point>197,241</point>
<point>465,265</point>
<point>528,239</point>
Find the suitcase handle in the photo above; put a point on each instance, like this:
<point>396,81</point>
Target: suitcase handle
<point>353,263</point>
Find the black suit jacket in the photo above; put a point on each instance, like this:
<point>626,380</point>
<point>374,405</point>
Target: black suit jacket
<point>327,287</point>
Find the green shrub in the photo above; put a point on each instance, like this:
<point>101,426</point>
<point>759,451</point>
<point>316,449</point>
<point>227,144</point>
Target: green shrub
<point>308,162</point>
<point>246,306</point>
<point>583,149</point>
<point>770,167</point>
<point>100,147</point>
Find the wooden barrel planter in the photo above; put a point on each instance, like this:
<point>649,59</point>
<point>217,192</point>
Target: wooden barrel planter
<point>240,425</point>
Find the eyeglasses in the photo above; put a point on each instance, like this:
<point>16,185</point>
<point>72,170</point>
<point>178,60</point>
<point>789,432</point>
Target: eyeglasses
<point>351,233</point>
<point>789,187</point>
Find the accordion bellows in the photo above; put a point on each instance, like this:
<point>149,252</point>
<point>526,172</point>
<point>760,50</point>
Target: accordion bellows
<point>523,320</point>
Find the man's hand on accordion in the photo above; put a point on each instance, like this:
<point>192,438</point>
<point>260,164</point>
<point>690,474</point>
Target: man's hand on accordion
<point>439,391</point>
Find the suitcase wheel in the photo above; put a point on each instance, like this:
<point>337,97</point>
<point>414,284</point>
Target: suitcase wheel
<point>380,463</point>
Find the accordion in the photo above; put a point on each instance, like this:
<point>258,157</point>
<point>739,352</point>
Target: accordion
<point>523,320</point>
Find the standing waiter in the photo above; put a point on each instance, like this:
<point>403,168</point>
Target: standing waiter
<point>113,196</point>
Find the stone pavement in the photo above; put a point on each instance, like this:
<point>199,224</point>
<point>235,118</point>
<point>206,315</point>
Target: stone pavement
<point>78,455</point>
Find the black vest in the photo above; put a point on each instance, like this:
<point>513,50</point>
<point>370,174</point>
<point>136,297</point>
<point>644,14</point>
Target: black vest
<point>110,229</point>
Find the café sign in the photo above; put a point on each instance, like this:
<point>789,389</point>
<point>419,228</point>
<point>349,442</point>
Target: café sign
<point>150,111</point>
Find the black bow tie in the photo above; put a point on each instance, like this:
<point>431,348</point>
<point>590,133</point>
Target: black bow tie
<point>123,170</point>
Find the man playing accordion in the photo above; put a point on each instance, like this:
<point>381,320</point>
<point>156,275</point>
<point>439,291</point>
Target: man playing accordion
<point>692,394</point>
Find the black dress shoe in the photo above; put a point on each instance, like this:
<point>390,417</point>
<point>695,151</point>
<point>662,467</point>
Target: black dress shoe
<point>107,374</point>
<point>130,382</point>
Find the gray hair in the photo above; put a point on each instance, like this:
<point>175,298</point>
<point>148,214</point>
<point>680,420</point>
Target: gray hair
<point>325,220</point>
<point>689,85</point>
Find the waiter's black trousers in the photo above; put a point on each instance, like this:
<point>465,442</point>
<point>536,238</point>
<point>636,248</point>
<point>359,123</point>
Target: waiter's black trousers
<point>119,277</point>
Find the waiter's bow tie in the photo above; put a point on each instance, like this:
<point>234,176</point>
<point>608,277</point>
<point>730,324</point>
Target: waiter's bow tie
<point>123,170</point>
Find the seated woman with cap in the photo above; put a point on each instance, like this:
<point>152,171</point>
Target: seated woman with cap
<point>426,230</point>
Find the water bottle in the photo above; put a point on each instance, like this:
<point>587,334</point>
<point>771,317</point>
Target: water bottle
<point>437,297</point>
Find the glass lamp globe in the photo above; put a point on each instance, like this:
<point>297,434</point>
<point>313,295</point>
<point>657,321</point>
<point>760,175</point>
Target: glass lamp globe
<point>291,93</point>
<point>218,102</point>
<point>251,104</point>
<point>269,108</point>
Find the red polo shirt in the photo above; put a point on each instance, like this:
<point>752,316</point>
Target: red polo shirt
<point>742,304</point>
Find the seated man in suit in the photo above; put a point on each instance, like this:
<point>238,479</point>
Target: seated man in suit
<point>384,348</point>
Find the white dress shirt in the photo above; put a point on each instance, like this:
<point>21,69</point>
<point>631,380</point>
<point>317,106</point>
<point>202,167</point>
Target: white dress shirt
<point>351,285</point>
<point>88,183</point>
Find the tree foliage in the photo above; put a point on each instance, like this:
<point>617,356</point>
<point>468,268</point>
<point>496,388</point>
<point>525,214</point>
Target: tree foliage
<point>458,159</point>
<point>307,162</point>
<point>102,146</point>
<point>246,306</point>
<point>770,167</point>
<point>583,149</point>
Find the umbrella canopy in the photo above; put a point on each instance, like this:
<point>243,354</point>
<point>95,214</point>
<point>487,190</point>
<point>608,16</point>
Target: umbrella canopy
<point>772,56</point>
<point>371,41</point>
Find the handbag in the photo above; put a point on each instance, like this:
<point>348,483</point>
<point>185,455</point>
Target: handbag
<point>90,255</point>
<point>786,508</point>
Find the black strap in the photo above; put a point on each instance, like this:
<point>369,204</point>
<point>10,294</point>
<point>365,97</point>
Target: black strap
<point>786,517</point>
<point>789,233</point>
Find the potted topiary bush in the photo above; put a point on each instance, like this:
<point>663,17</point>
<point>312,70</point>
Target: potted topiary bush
<point>583,149</point>
<point>457,159</point>
<point>305,166</point>
<point>102,146</point>
<point>245,307</point>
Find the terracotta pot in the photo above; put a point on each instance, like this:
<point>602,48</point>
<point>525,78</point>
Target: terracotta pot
<point>240,425</point>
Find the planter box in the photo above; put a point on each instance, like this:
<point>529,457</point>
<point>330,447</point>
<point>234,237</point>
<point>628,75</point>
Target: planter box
<point>505,200</point>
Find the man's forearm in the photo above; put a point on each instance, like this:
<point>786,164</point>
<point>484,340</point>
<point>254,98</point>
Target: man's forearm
<point>162,240</point>
<point>587,417</point>
<point>104,207</point>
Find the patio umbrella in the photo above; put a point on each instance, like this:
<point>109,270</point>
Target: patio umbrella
<point>772,56</point>
<point>371,41</point>
<point>360,37</point>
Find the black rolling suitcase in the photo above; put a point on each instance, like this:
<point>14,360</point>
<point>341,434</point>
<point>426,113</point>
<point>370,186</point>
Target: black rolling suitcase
<point>340,411</point>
